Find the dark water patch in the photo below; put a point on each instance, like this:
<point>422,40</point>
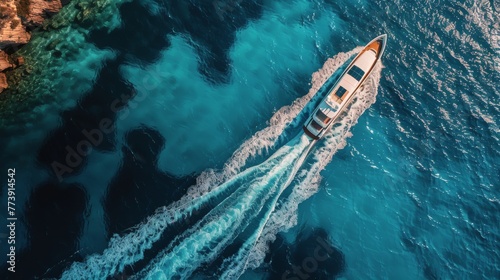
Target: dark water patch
<point>139,187</point>
<point>54,217</point>
<point>87,126</point>
<point>213,25</point>
<point>430,273</point>
<point>311,256</point>
<point>142,34</point>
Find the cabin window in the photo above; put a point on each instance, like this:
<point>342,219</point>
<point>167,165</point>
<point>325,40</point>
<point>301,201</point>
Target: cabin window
<point>322,117</point>
<point>356,72</point>
<point>340,92</point>
<point>316,125</point>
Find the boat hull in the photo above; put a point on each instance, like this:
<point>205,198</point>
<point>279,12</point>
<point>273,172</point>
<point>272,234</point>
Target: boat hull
<point>344,90</point>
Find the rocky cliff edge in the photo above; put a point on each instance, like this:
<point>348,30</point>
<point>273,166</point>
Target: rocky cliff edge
<point>17,19</point>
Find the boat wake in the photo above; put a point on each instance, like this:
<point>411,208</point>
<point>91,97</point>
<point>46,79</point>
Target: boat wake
<point>247,200</point>
<point>252,190</point>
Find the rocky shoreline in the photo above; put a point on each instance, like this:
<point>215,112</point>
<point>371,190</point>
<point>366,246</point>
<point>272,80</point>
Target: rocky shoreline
<point>17,19</point>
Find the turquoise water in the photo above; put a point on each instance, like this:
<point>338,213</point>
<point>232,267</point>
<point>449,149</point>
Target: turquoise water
<point>405,187</point>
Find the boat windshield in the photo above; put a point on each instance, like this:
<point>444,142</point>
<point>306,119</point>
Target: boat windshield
<point>316,125</point>
<point>322,117</point>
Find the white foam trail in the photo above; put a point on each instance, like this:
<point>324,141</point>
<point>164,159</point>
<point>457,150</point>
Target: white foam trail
<point>234,267</point>
<point>128,249</point>
<point>204,242</point>
<point>309,179</point>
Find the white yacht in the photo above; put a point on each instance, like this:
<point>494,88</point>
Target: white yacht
<point>344,89</point>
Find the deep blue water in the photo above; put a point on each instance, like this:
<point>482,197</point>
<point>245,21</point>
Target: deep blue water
<point>205,101</point>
